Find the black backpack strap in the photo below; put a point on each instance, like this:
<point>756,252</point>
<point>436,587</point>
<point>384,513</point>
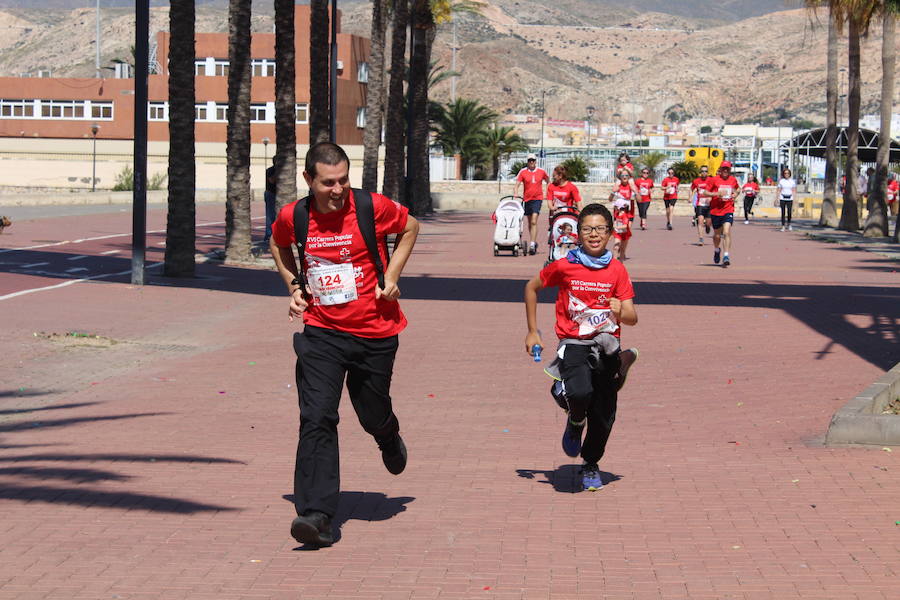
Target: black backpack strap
<point>365,216</point>
<point>301,230</point>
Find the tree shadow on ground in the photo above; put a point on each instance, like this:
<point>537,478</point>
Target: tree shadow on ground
<point>362,506</point>
<point>565,478</point>
<point>18,411</point>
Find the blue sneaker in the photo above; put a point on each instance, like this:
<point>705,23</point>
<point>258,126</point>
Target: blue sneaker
<point>716,255</point>
<point>590,477</point>
<point>571,439</point>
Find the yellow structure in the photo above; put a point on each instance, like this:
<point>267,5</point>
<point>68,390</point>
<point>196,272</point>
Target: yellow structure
<point>710,157</point>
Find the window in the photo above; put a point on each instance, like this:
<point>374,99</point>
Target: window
<point>258,113</point>
<point>221,68</point>
<point>158,111</point>
<point>199,67</point>
<point>264,67</point>
<point>361,117</point>
<point>199,112</point>
<point>62,109</point>
<point>102,110</point>
<point>221,112</point>
<point>11,109</point>
<point>362,72</point>
<point>302,111</point>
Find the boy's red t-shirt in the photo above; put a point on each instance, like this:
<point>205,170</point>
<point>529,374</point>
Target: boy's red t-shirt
<point>334,240</point>
<point>723,205</point>
<point>533,182</point>
<point>644,185</point>
<point>698,185</point>
<point>582,304</point>
<point>563,196</point>
<point>670,188</point>
<point>622,225</point>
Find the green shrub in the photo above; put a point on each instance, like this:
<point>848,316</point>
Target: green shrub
<point>125,180</point>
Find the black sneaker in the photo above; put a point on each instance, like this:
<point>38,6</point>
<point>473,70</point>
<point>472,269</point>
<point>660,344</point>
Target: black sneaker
<point>571,439</point>
<point>626,358</point>
<point>559,396</point>
<point>707,227</point>
<point>669,226</point>
<point>393,454</point>
<point>716,256</point>
<point>312,527</point>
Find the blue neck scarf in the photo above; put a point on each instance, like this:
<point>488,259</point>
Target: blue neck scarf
<point>580,257</point>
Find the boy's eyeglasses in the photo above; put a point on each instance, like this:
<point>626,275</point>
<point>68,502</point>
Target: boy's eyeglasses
<point>587,229</point>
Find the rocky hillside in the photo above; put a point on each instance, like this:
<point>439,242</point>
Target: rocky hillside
<point>641,58</point>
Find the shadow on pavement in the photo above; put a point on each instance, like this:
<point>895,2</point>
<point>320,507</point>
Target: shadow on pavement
<point>565,478</point>
<point>17,411</point>
<point>362,506</point>
<point>24,426</point>
<point>80,496</point>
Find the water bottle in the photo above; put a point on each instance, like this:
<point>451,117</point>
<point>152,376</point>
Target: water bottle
<point>536,352</point>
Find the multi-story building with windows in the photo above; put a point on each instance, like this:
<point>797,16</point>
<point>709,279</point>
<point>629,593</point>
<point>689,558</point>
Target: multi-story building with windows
<point>46,107</point>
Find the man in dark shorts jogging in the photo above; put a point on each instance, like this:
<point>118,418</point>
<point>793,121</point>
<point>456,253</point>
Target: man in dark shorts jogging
<point>351,324</point>
<point>722,192</point>
<point>532,178</point>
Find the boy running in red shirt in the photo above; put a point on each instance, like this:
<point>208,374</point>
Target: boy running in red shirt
<point>595,297</point>
<point>644,186</point>
<point>670,195</point>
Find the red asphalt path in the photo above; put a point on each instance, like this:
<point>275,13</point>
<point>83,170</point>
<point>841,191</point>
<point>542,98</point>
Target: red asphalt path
<point>160,466</point>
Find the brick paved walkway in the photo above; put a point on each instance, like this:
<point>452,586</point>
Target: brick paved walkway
<point>160,466</point>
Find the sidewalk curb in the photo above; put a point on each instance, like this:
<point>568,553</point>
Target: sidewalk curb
<point>860,420</point>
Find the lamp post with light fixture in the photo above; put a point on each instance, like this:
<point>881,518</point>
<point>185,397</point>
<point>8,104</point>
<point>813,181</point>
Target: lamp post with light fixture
<point>94,129</point>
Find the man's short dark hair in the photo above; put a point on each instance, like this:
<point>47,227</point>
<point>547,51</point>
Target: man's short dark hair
<point>326,153</point>
<point>595,209</point>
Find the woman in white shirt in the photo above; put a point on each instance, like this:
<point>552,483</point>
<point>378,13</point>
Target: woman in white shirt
<point>786,188</point>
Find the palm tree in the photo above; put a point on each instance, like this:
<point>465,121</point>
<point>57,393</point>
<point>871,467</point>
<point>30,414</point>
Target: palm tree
<point>686,171</point>
<point>237,212</point>
<point>319,104</point>
<point>285,104</point>
<point>374,97</point>
<point>652,160</point>
<point>877,221</point>
<point>422,28</point>
<point>459,127</point>
<point>395,122</point>
<point>180,224</point>
<point>499,142</point>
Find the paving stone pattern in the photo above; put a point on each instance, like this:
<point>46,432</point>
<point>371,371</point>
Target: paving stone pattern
<point>160,467</point>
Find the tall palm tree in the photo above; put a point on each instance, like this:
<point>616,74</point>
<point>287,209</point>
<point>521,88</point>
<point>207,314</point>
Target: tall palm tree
<point>395,121</point>
<point>237,212</point>
<point>319,104</point>
<point>181,220</point>
<point>459,127</point>
<point>828,216</point>
<point>877,221</point>
<point>422,28</point>
<point>652,160</point>
<point>374,97</point>
<point>285,104</point>
<point>500,142</point>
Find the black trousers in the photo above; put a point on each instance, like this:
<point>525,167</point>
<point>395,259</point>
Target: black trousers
<point>591,392</point>
<point>748,206</point>
<point>326,357</point>
<point>787,207</point>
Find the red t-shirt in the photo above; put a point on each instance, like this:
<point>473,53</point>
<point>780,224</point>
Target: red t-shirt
<point>751,189</point>
<point>698,185</point>
<point>335,249</point>
<point>563,196</point>
<point>627,166</point>
<point>533,182</point>
<point>728,187</point>
<point>670,188</point>
<point>622,225</point>
<point>582,304</point>
<point>644,186</point>
<point>893,187</point>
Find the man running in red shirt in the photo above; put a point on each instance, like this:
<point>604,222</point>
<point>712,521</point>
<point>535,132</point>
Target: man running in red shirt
<point>722,192</point>
<point>701,208</point>
<point>532,179</point>
<point>644,186</point>
<point>351,325</point>
<point>670,195</point>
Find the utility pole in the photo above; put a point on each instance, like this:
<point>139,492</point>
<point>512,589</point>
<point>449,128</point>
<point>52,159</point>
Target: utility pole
<point>139,210</point>
<point>453,65</point>
<point>97,43</point>
<point>542,128</point>
<point>333,75</point>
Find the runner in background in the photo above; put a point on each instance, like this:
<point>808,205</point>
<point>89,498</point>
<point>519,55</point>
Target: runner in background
<point>644,186</point>
<point>786,188</point>
<point>670,195</point>
<point>751,192</point>
<point>627,190</point>
<point>701,208</point>
<point>532,179</point>
<point>722,191</point>
<point>624,165</point>
<point>562,193</point>
<point>893,189</point>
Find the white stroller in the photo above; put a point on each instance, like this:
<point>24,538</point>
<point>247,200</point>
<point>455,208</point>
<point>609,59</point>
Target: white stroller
<point>509,216</point>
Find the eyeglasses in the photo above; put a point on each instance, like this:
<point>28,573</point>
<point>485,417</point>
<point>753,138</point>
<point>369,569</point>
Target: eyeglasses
<point>587,229</point>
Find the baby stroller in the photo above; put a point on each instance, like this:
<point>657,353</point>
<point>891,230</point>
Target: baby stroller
<point>563,233</point>
<point>508,218</point>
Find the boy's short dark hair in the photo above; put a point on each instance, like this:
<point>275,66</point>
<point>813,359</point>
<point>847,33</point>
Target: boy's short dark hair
<point>327,153</point>
<point>595,209</point>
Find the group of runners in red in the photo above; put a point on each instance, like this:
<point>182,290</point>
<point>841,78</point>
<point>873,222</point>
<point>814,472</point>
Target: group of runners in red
<point>713,198</point>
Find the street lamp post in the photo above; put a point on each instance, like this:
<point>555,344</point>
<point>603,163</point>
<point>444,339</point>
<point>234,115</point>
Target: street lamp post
<point>640,131</point>
<point>616,117</point>
<point>542,128</point>
<point>590,115</point>
<point>94,129</point>
<point>265,142</point>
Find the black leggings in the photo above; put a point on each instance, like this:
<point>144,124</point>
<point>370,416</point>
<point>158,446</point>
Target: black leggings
<point>787,207</point>
<point>748,206</point>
